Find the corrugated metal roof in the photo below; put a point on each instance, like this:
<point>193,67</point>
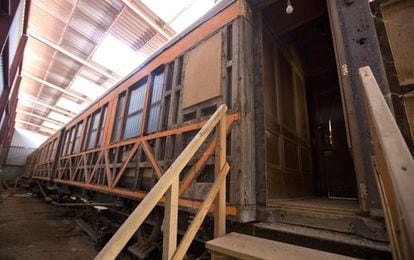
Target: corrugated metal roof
<point>64,38</point>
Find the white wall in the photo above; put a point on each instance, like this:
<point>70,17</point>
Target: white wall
<point>23,143</point>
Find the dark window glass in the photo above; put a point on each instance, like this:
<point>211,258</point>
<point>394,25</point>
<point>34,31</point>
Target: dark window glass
<point>85,135</point>
<point>77,138</point>
<point>53,153</point>
<point>66,142</point>
<point>71,139</point>
<point>101,129</point>
<point>118,118</point>
<point>154,109</point>
<point>133,119</point>
<point>93,130</point>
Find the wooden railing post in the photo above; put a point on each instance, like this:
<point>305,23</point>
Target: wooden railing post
<point>170,221</point>
<point>394,166</point>
<point>220,161</point>
<point>168,185</point>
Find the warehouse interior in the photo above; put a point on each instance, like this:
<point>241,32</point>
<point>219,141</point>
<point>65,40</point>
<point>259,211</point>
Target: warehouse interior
<point>294,163</point>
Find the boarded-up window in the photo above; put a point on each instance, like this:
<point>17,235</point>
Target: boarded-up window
<point>134,110</point>
<point>202,72</point>
<point>118,118</point>
<point>154,109</point>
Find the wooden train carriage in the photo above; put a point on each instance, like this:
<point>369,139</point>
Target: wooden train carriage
<point>299,143</point>
<point>123,143</point>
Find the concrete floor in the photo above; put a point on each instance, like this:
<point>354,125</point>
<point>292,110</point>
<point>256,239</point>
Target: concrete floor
<point>32,229</point>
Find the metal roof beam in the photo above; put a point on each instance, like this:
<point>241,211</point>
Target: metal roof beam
<point>56,109</point>
<point>44,82</point>
<point>150,20</point>
<point>42,132</point>
<point>73,56</point>
<point>58,123</point>
<point>43,128</point>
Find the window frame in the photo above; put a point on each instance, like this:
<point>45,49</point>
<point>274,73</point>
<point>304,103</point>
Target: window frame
<point>142,83</point>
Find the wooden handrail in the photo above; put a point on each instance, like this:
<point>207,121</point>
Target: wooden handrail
<point>394,165</point>
<point>168,185</point>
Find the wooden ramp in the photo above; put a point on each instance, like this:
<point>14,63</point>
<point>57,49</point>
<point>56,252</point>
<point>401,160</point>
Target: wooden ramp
<point>249,247</point>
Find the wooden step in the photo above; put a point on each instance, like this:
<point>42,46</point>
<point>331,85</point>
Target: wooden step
<point>248,247</point>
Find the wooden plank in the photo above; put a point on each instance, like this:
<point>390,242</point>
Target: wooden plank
<point>107,168</point>
<point>243,246</point>
<point>195,169</point>
<point>170,221</point>
<point>220,160</point>
<point>201,214</point>
<point>395,168</point>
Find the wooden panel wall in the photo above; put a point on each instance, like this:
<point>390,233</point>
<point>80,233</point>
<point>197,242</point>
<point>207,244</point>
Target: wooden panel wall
<point>288,169</point>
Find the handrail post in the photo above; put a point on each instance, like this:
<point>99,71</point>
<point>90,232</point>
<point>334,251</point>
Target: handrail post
<point>220,160</point>
<point>170,220</point>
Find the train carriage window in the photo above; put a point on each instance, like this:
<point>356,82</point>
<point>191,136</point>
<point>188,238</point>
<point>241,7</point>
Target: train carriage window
<point>133,118</point>
<point>118,118</point>
<point>85,134</point>
<point>93,130</point>
<point>71,139</point>
<point>102,125</point>
<point>154,106</point>
<point>77,137</point>
<point>53,153</point>
<point>65,144</point>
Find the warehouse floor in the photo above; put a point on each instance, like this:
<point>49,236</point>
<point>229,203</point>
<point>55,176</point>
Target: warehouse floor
<point>32,229</point>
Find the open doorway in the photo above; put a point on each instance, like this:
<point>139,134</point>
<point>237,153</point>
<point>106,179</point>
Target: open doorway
<point>308,161</point>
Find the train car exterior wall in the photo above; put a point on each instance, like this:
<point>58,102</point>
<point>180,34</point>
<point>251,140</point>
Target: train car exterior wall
<point>123,143</point>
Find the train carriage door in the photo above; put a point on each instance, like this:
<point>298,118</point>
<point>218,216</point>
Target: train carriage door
<point>307,154</point>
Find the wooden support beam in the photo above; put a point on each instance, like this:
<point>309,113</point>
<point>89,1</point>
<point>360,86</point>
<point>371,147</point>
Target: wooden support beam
<point>220,161</point>
<point>44,82</point>
<point>137,217</point>
<point>40,117</point>
<point>150,154</point>
<point>73,56</point>
<point>171,221</point>
<point>201,214</point>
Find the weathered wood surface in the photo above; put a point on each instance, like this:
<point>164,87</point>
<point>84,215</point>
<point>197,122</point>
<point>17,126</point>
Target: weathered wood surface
<point>394,167</point>
<point>137,217</point>
<point>243,246</point>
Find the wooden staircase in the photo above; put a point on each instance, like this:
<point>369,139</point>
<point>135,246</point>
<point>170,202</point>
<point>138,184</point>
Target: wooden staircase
<point>393,162</point>
<point>240,246</point>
